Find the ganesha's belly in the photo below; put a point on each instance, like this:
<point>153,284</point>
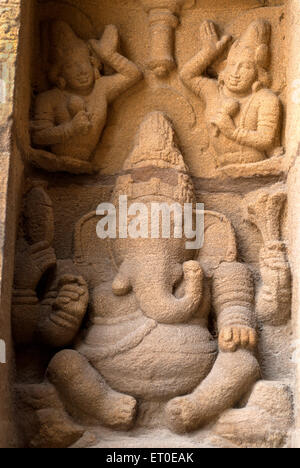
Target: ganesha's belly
<point>169,360</point>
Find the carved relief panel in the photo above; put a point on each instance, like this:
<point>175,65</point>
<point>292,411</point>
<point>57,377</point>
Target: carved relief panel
<point>169,103</point>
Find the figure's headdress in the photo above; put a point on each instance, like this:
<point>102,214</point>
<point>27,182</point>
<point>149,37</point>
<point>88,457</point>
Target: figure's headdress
<point>255,45</point>
<point>155,145</point>
<point>63,43</point>
<point>255,41</point>
<point>156,166</point>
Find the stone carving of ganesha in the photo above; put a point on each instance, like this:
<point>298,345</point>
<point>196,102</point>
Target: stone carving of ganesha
<point>148,337</point>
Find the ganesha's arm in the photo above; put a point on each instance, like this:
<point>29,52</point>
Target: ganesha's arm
<point>31,263</point>
<point>264,137</point>
<point>273,305</point>
<point>233,297</point>
<point>63,315</point>
<point>44,130</point>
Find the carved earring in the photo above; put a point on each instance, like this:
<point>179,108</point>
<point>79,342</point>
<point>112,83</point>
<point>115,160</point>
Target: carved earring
<point>221,79</point>
<point>61,83</point>
<point>257,85</point>
<point>96,73</point>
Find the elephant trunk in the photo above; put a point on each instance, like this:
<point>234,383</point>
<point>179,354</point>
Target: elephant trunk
<point>154,290</point>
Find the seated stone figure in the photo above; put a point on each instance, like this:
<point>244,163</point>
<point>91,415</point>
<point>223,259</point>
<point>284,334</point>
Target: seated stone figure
<point>243,116</point>
<point>147,337</point>
<point>69,119</point>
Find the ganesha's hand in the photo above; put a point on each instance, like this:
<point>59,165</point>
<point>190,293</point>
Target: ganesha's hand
<point>108,44</point>
<point>275,271</point>
<point>273,305</point>
<point>71,303</point>
<point>273,256</point>
<point>234,337</point>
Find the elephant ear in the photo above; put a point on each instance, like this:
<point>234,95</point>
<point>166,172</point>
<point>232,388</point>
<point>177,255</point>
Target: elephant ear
<point>92,256</point>
<point>219,242</point>
<point>93,259</point>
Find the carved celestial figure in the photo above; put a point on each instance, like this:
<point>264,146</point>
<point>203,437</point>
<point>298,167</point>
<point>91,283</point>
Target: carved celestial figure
<point>243,116</point>
<point>69,119</point>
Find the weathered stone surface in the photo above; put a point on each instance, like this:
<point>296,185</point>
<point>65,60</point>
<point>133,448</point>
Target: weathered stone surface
<point>9,35</point>
<point>135,334</point>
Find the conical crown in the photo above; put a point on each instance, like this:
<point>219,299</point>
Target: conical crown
<point>155,145</point>
<point>254,43</point>
<point>156,166</point>
<point>63,41</point>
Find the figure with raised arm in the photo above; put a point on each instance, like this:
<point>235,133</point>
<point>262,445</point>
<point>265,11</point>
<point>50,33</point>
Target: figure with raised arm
<point>242,113</point>
<point>69,119</point>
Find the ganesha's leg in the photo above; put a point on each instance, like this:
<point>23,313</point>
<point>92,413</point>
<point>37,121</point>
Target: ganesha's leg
<point>81,385</point>
<point>232,375</point>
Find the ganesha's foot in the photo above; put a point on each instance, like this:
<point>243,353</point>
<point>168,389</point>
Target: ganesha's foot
<point>264,422</point>
<point>183,414</point>
<point>232,376</point>
<point>117,411</point>
<point>84,391</point>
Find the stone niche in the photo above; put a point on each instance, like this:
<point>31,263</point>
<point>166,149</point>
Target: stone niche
<point>174,102</point>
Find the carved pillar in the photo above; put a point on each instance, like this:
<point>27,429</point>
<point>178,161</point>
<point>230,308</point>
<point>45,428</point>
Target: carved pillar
<point>293,155</point>
<point>163,20</point>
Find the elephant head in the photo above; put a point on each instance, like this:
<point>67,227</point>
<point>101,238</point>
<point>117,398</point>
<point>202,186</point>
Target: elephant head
<point>151,263</point>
